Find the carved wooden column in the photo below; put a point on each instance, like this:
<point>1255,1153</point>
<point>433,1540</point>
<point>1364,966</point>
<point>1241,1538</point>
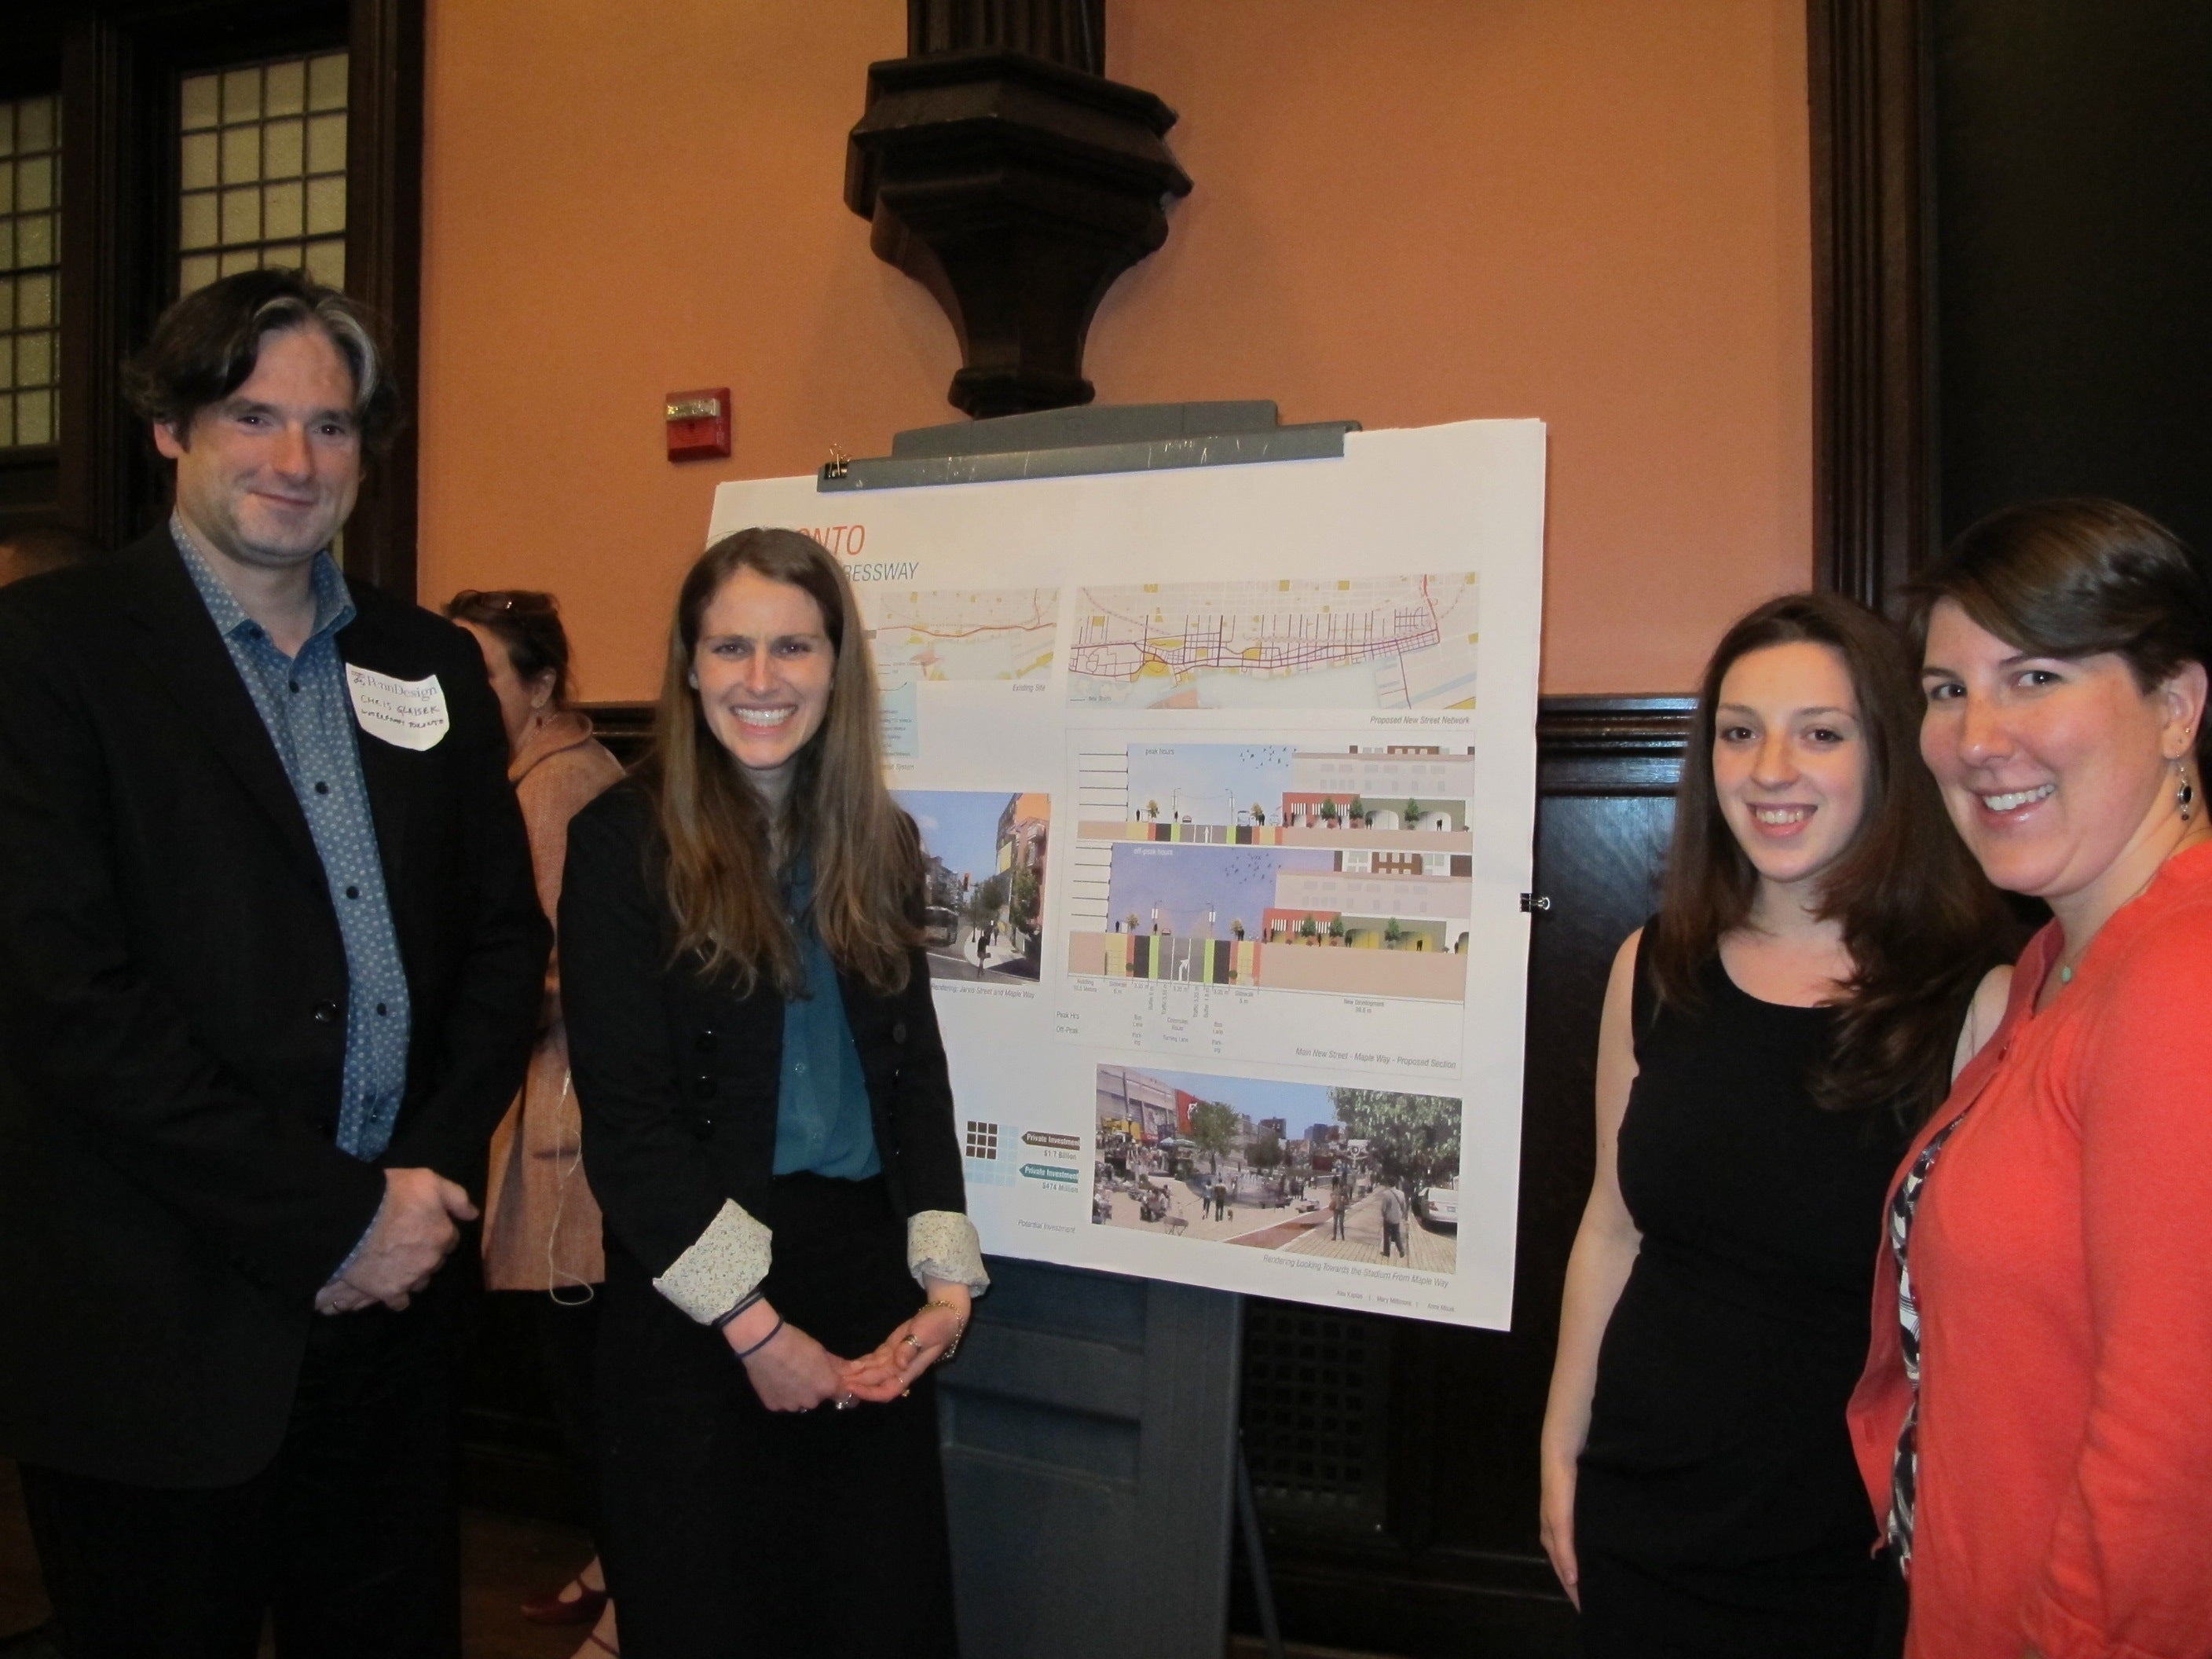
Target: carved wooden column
<point>1874,476</point>
<point>1000,169</point>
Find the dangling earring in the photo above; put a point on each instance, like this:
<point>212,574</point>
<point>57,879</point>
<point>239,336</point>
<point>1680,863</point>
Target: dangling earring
<point>2186,796</point>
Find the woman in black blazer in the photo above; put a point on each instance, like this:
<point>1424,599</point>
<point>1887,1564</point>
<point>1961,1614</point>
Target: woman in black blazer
<point>768,1124</point>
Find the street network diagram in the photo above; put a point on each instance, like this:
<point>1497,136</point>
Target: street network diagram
<point>1356,643</point>
<point>962,634</point>
<point>1225,782</point>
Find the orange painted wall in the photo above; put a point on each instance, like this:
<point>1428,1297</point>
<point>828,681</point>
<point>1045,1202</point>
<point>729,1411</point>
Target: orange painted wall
<point>1406,211</point>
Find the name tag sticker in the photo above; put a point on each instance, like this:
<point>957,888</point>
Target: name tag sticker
<point>410,713</point>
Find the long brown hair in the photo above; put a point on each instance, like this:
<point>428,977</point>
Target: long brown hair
<point>721,879</point>
<point>1921,922</point>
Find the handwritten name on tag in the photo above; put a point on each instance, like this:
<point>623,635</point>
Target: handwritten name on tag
<point>410,713</point>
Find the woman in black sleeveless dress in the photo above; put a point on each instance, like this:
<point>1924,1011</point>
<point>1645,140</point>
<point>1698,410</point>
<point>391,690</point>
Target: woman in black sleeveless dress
<point>1770,1039</point>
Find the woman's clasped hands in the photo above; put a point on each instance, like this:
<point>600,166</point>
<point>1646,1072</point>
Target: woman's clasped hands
<point>790,1371</point>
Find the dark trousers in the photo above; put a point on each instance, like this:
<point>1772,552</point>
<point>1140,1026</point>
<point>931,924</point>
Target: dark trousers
<point>348,1538</point>
<point>734,1530</point>
<point>568,1333</point>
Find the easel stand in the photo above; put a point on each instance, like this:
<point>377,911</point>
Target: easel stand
<point>1092,1464</point>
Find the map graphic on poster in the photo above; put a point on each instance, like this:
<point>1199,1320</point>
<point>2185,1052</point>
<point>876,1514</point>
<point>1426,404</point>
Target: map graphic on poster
<point>1357,642</point>
<point>1227,816</point>
<point>973,633</point>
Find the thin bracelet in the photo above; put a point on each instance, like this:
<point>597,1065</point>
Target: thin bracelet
<point>746,1302</point>
<point>747,1354</point>
<point>953,1347</point>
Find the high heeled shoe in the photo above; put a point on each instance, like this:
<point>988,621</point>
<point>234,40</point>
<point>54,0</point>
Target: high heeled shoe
<point>582,1609</point>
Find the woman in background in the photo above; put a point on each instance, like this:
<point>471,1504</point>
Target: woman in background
<point>769,1124</point>
<point>541,1230</point>
<point>1768,1040</point>
<point>2032,1420</point>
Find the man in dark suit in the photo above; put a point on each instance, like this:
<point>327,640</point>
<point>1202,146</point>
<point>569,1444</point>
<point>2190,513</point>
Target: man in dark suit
<point>271,957</point>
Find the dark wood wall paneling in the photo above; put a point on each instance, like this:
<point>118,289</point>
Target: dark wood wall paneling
<point>2071,179</point>
<point>117,63</point>
<point>384,263</point>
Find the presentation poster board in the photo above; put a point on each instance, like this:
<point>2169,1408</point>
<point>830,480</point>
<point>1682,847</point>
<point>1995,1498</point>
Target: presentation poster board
<point>1226,779</point>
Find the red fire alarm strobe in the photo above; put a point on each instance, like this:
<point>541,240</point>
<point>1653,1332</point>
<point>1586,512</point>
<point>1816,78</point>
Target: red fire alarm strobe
<point>699,425</point>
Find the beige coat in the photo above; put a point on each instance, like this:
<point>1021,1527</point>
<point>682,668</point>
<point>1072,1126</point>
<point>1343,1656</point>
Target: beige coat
<point>541,1226</point>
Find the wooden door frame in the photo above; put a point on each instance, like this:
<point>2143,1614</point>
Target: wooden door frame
<point>1874,476</point>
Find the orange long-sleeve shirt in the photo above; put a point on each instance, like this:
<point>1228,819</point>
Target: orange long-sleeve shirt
<point>2062,1258</point>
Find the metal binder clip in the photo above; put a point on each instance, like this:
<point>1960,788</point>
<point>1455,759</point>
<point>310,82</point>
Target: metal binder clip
<point>839,463</point>
<point>1531,903</point>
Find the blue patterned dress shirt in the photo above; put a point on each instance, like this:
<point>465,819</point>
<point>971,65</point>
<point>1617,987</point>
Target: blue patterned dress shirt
<point>304,702</point>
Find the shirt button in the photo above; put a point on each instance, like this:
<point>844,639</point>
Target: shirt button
<point>322,788</point>
<point>703,1087</point>
<point>326,1013</point>
<point>799,1067</point>
<point>382,1009</point>
<point>898,1032</point>
<point>704,1043</point>
<point>353,892</point>
<point>295,685</point>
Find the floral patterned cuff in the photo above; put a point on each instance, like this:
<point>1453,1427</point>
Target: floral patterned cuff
<point>721,1268</point>
<point>941,1244</point>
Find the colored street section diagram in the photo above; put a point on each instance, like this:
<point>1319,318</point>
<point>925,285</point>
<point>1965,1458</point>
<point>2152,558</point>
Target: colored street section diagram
<point>962,634</point>
<point>1365,642</point>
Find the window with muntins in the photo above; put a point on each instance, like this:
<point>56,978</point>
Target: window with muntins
<point>261,170</point>
<point>30,270</point>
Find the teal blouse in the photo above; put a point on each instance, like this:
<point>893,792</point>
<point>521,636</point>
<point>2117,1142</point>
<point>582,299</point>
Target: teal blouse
<point>823,1122</point>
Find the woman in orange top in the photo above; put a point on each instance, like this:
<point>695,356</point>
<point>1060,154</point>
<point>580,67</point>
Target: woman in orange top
<point>2032,1420</point>
<point>542,1229</point>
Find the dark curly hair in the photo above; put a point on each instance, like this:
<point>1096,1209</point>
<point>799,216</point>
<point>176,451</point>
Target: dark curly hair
<point>205,346</point>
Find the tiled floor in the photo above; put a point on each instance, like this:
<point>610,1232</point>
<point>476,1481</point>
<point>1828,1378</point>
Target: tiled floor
<point>504,1561</point>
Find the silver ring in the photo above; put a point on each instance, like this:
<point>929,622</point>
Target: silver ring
<point>847,1403</point>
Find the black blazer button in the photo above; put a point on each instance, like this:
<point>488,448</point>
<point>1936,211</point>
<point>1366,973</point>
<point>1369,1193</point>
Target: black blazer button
<point>703,1087</point>
<point>704,1043</point>
<point>898,1031</point>
<point>326,1013</point>
<point>704,1128</point>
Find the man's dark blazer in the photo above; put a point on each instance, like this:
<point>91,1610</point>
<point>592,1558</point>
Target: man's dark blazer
<point>677,1076</point>
<point>173,996</point>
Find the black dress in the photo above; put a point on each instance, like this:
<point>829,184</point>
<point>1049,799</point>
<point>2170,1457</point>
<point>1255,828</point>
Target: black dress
<point>1718,1509</point>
